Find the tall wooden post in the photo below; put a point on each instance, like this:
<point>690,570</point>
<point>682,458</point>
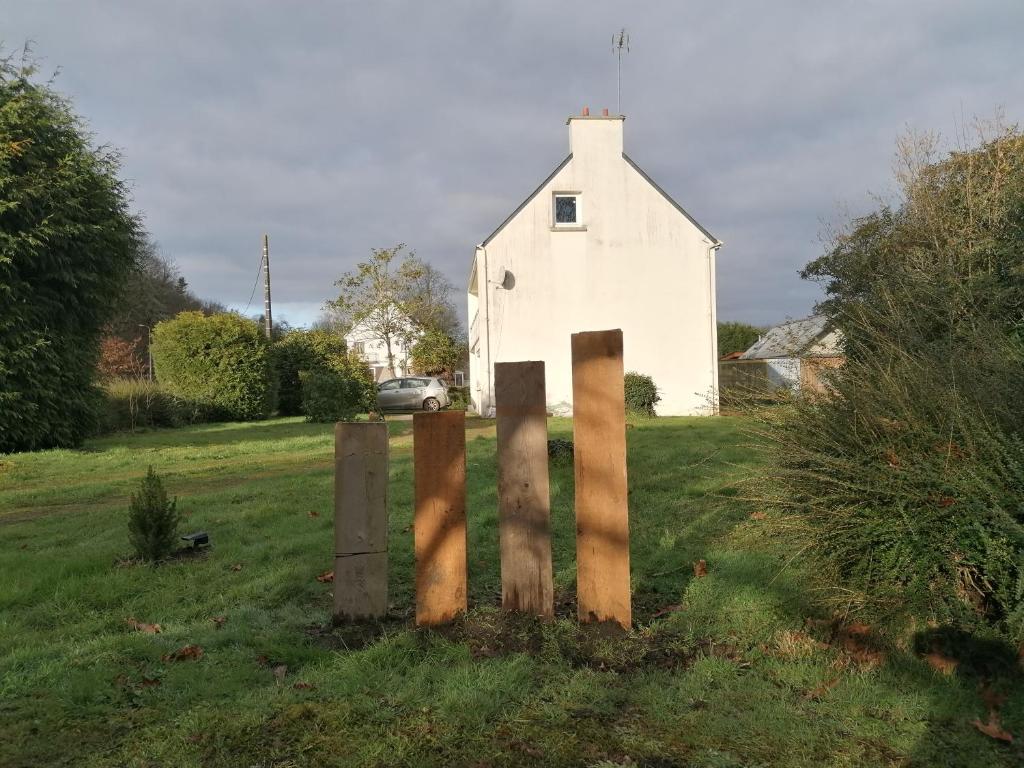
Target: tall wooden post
<point>439,523</point>
<point>360,520</point>
<point>602,511</point>
<point>524,504</point>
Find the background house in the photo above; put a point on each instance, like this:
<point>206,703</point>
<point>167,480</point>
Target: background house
<point>365,341</point>
<point>792,355</point>
<point>597,245</point>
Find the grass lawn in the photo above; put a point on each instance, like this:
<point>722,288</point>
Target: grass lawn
<point>732,669</point>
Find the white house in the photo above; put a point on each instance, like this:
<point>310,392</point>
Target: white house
<point>597,245</point>
<point>369,344</point>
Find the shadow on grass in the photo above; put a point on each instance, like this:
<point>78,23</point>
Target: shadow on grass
<point>227,433</point>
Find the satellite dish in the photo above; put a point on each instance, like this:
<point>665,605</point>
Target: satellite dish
<point>508,280</point>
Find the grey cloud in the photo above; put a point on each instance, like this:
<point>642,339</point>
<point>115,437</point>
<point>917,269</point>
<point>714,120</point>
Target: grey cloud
<point>337,127</point>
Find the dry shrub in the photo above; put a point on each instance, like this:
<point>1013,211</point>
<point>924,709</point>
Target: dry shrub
<point>907,481</point>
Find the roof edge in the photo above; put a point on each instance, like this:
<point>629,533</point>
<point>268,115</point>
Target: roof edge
<point>523,204</point>
<point>668,197</point>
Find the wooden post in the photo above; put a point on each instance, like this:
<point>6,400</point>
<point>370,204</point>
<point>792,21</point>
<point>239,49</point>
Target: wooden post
<point>360,520</point>
<point>439,523</point>
<point>602,510</point>
<point>524,504</point>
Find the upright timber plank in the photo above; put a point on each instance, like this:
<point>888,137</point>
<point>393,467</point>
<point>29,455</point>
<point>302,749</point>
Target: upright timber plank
<point>524,504</point>
<point>439,522</point>
<point>602,511</point>
<point>360,520</point>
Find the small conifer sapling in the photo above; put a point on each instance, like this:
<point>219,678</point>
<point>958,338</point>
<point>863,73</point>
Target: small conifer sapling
<point>153,520</point>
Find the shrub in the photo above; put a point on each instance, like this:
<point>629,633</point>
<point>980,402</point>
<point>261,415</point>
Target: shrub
<point>220,361</point>
<point>435,353</point>
<point>458,398</point>
<point>119,359</point>
<point>906,483</point>
<point>329,396</point>
<point>641,394</point>
<point>153,520</point>
<point>131,404</point>
<point>67,240</point>
<point>317,350</point>
<point>313,350</point>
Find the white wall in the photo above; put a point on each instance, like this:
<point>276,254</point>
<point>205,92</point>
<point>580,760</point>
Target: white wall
<point>640,265</point>
<point>375,353</point>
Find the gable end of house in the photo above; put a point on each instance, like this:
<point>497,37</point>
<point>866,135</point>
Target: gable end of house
<point>669,198</point>
<point>526,202</point>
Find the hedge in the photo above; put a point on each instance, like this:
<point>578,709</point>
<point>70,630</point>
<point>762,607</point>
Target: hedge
<point>318,350</point>
<point>132,404</point>
<point>220,361</point>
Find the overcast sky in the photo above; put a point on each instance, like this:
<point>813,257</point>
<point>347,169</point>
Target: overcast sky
<point>341,126</point>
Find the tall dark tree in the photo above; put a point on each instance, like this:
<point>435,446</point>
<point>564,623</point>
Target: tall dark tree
<point>67,241</point>
<point>154,291</point>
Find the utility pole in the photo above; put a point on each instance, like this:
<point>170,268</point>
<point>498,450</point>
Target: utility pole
<point>267,319</point>
<point>149,348</point>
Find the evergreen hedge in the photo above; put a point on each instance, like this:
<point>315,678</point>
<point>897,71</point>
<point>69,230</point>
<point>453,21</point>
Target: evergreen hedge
<point>220,361</point>
<point>67,240</point>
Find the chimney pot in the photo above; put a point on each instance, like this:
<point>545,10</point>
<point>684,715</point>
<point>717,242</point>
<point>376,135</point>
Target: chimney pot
<point>586,111</point>
<point>605,111</point>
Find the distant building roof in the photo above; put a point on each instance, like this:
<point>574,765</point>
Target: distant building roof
<point>732,356</point>
<point>790,339</point>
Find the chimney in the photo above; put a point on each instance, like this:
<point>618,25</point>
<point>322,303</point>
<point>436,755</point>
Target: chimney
<point>595,134</point>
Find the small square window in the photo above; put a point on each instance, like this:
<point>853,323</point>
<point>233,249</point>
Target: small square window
<point>567,210</point>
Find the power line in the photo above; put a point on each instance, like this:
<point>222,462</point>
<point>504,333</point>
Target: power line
<point>259,271</point>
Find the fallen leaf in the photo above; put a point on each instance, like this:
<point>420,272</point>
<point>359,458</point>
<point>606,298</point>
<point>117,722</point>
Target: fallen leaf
<point>700,568</point>
<point>758,516</point>
<point>313,514</point>
<point>892,459</point>
<point>280,671</point>
<point>821,690</point>
<point>667,610</point>
<point>993,729</point>
<point>947,501</point>
<point>943,664</point>
<point>325,577</point>
<point>149,682</point>
<point>303,686</point>
<point>236,567</point>
<point>140,626</point>
<point>219,621</point>
<point>189,652</point>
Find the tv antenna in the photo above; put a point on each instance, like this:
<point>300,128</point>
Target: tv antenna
<point>620,45</point>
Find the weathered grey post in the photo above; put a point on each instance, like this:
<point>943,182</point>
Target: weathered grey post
<point>439,522</point>
<point>360,520</point>
<point>524,504</point>
<point>602,511</point>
